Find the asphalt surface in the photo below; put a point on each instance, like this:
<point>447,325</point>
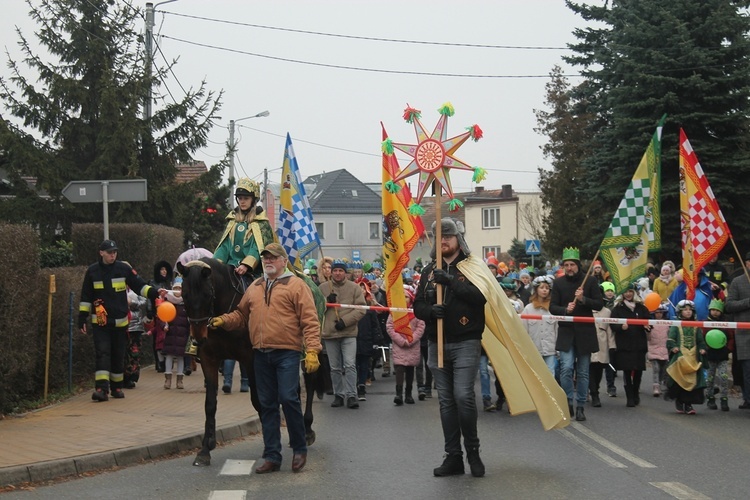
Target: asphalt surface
<point>79,435</point>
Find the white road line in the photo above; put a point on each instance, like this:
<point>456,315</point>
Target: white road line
<point>611,446</point>
<point>237,468</point>
<point>679,490</point>
<point>602,456</point>
<point>228,495</point>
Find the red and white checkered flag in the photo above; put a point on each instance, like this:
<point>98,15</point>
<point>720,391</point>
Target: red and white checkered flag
<point>704,229</point>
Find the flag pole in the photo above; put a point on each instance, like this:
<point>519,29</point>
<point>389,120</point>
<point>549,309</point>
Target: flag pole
<point>438,265</point>
<point>591,268</point>
<point>739,257</point>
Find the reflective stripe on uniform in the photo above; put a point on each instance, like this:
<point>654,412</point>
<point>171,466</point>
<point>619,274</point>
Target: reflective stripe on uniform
<point>84,307</point>
<point>144,291</point>
<point>121,322</point>
<point>101,375</point>
<point>117,377</point>
<point>119,285</point>
<point>98,285</point>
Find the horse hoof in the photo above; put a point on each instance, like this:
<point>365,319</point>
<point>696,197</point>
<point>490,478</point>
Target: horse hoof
<point>202,461</point>
<point>310,438</point>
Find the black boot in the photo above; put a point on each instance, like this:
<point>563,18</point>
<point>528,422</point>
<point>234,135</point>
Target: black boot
<point>580,416</point>
<point>475,463</point>
<point>637,393</point>
<point>452,466</point>
<point>399,400</point>
<point>712,403</point>
<point>595,401</point>
<point>724,404</point>
<point>407,396</point>
<point>629,395</point>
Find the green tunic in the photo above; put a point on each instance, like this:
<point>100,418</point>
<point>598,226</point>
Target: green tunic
<point>243,240</point>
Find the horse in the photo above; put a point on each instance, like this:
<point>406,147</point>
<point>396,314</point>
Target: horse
<point>209,289</point>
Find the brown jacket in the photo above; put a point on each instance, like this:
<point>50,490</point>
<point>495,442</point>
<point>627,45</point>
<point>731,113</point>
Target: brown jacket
<point>347,292</point>
<point>278,316</point>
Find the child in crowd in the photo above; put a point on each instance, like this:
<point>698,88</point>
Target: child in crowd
<point>368,333</point>
<point>686,381</point>
<point>405,353</point>
<point>657,350</point>
<point>600,360</point>
<point>176,338</point>
<point>718,361</point>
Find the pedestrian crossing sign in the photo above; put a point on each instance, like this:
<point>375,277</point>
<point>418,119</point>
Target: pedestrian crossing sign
<point>533,247</point>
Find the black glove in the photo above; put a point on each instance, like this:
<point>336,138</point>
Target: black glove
<point>438,311</point>
<point>339,324</point>
<point>440,276</point>
<point>612,353</point>
<point>82,320</point>
<point>331,299</point>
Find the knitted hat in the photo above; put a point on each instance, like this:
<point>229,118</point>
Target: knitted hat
<point>338,264</point>
<point>608,286</point>
<point>716,304</point>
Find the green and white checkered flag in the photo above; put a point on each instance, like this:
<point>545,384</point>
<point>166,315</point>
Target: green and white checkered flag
<point>636,226</point>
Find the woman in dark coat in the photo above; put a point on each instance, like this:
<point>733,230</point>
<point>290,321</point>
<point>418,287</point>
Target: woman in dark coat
<point>631,342</point>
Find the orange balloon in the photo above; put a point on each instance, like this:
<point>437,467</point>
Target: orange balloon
<point>652,301</point>
<point>166,311</point>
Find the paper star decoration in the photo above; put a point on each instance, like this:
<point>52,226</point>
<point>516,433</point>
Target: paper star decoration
<point>433,155</point>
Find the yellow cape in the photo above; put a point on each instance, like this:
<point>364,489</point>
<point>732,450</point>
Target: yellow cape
<point>527,382</point>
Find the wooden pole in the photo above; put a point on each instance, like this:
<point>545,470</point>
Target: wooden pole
<point>438,265</point>
<point>741,260</point>
<point>591,268</point>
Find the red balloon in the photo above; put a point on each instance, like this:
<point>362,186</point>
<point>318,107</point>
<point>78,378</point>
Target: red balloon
<point>652,301</point>
<point>166,311</point>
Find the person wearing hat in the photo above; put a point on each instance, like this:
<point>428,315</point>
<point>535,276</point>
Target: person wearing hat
<point>717,359</point>
<point>572,296</point>
<point>104,307</point>
<point>631,342</point>
<point>686,379</point>
<point>340,333</point>
<point>279,312</point>
<point>247,233</point>
<point>600,360</point>
<point>463,317</point>
<point>738,305</point>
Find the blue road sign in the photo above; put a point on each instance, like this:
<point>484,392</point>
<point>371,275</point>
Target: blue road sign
<point>533,247</point>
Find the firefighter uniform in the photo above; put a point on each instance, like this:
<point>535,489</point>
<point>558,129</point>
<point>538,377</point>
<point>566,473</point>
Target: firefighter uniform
<point>104,308</point>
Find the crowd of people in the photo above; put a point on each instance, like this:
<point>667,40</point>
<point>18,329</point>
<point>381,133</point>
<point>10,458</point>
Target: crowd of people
<point>689,365</point>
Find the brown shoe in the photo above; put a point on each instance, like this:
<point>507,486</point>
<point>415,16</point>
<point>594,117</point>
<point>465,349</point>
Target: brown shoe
<point>299,461</point>
<point>268,466</point>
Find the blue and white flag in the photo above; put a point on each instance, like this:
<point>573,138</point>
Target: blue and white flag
<point>296,229</point>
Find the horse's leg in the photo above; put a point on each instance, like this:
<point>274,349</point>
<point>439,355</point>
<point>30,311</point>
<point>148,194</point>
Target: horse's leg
<point>210,369</point>
<point>310,383</point>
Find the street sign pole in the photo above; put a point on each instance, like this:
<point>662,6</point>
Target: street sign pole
<point>104,192</point>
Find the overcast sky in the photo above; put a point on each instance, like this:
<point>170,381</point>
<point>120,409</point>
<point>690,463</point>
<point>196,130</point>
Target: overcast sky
<point>334,114</point>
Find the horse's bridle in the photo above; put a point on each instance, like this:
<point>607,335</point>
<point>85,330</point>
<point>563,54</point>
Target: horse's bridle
<point>237,293</point>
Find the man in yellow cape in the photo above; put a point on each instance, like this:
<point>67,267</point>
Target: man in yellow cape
<point>527,382</point>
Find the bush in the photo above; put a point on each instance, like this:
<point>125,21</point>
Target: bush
<point>58,255</point>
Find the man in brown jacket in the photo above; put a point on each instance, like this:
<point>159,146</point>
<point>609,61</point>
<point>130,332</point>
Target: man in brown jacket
<point>340,333</point>
<point>280,314</point>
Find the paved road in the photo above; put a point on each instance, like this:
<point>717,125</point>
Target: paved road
<point>381,451</point>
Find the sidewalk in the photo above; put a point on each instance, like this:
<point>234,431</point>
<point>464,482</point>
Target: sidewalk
<point>79,435</point>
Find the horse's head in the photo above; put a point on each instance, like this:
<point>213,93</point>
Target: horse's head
<point>198,295</point>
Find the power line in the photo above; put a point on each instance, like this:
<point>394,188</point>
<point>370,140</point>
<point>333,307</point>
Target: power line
<point>354,68</point>
<point>373,39</point>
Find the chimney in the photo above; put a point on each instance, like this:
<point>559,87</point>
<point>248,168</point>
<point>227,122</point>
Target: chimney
<point>507,191</point>
<point>478,189</point>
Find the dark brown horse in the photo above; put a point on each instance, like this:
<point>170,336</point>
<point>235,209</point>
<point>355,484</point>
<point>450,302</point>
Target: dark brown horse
<point>209,289</point>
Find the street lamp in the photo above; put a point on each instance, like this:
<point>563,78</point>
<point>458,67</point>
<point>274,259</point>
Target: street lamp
<point>232,150</point>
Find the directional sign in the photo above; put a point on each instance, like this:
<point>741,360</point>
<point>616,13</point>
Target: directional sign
<point>93,191</point>
<point>355,255</point>
<point>533,247</point>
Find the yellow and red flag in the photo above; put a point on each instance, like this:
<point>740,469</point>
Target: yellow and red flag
<point>704,229</point>
<point>401,232</point>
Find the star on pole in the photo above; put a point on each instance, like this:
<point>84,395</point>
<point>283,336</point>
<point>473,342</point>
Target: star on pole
<point>433,155</point>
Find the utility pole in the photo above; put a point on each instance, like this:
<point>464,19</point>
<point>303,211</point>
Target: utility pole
<point>149,46</point>
<point>232,148</point>
<point>265,186</point>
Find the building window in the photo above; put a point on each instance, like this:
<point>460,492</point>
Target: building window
<point>341,230</point>
<point>320,228</point>
<point>494,250</point>
<point>491,218</point>
<point>375,230</point>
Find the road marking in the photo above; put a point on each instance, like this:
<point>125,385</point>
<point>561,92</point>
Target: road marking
<point>228,495</point>
<point>602,456</point>
<point>237,468</point>
<point>611,446</point>
<point>679,490</point>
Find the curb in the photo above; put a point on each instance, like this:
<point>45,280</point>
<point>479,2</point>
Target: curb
<point>54,469</point>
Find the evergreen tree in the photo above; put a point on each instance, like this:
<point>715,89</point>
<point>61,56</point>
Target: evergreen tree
<point>81,117</point>
<point>687,58</point>
<point>566,223</point>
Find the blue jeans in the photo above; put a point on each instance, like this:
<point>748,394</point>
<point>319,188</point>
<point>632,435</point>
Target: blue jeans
<point>277,377</point>
<point>229,373</point>
<point>569,360</point>
<point>342,354</point>
<point>455,385</point>
<point>484,377</point>
<point>363,369</point>
<point>551,362</point>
